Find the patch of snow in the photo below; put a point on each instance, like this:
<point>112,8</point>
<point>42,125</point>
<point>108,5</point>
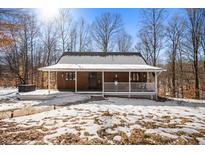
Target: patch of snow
<point>99,67</point>
<point>117,138</point>
<point>151,131</point>
<point>189,130</point>
<point>187,100</point>
<point>110,131</point>
<point>65,98</point>
<point>201,140</point>
<point>195,125</point>
<point>147,102</point>
<point>40,92</point>
<point>175,130</point>
<point>30,142</point>
<point>17,105</point>
<point>6,93</point>
<point>57,97</point>
<point>90,117</point>
<point>124,129</point>
<point>91,129</point>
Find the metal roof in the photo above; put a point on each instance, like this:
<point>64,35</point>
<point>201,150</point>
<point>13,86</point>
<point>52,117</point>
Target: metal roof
<point>102,67</point>
<point>102,61</point>
<point>101,58</point>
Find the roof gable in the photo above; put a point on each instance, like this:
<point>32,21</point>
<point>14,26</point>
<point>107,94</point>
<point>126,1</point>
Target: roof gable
<point>101,58</point>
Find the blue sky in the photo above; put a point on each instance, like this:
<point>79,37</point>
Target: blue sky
<point>131,16</point>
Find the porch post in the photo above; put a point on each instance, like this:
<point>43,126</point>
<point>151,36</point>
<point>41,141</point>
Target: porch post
<point>103,86</point>
<point>56,80</point>
<point>76,84</point>
<point>129,83</point>
<point>156,84</point>
<point>49,82</point>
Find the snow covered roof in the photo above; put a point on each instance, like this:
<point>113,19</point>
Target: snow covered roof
<point>101,67</point>
<point>101,61</point>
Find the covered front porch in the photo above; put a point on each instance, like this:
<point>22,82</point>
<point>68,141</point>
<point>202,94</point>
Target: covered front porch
<point>117,80</point>
<point>107,83</point>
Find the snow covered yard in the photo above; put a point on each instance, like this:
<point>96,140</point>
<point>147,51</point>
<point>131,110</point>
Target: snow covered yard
<point>6,93</point>
<point>111,121</point>
<point>8,100</point>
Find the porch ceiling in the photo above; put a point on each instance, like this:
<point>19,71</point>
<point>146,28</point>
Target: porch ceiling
<point>101,67</point>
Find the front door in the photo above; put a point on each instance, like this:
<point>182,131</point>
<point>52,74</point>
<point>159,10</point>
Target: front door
<point>93,81</point>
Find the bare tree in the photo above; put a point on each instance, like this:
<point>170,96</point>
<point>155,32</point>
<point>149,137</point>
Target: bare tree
<point>124,42</point>
<point>83,33</point>
<point>33,31</point>
<point>152,33</point>
<point>50,44</point>
<point>181,70</point>
<point>144,48</point>
<point>72,44</point>
<point>24,48</point>
<point>203,42</point>
<point>174,33</point>
<point>64,21</point>
<point>203,38</point>
<point>17,55</point>
<point>105,28</point>
<point>194,25</point>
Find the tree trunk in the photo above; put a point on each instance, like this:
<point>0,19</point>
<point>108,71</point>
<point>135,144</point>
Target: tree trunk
<point>196,76</point>
<point>155,40</point>
<point>32,60</point>
<point>173,73</point>
<point>26,57</point>
<point>204,59</point>
<point>181,75</point>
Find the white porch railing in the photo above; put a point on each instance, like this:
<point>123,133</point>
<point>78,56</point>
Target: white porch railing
<point>142,87</point>
<point>119,87</point>
<point>124,87</point>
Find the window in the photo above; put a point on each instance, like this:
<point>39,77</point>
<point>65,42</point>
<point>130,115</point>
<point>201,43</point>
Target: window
<point>139,77</point>
<point>135,76</point>
<point>70,76</point>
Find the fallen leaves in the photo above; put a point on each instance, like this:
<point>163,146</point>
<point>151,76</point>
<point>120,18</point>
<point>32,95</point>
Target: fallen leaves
<point>66,139</point>
<point>149,125</point>
<point>105,127</point>
<point>136,137</point>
